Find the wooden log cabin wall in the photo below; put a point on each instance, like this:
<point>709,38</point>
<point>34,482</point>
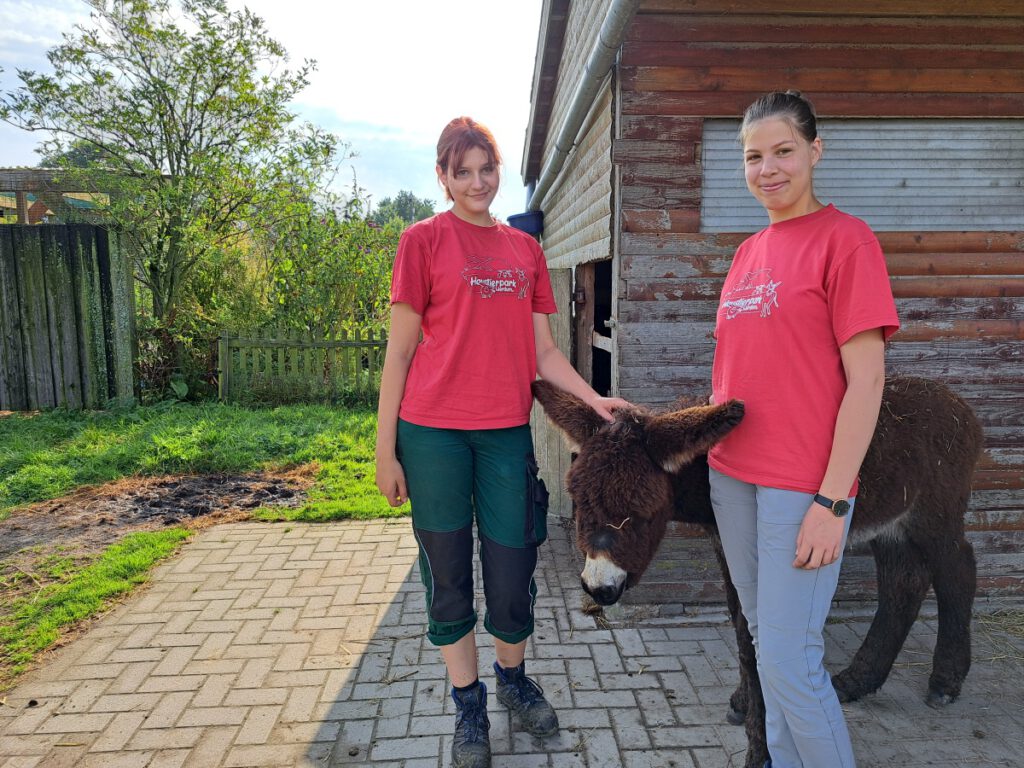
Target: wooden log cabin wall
<point>959,284</point>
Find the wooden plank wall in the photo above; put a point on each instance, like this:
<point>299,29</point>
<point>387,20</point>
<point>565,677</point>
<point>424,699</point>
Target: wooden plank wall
<point>960,295</point>
<point>66,318</point>
<point>577,211</point>
<point>581,31</point>
<point>552,454</point>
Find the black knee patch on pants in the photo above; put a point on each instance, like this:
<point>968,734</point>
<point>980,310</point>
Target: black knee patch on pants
<point>446,569</point>
<point>509,589</point>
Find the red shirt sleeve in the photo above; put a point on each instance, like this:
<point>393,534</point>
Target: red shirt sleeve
<point>859,294</point>
<point>410,278</point>
<point>543,295</point>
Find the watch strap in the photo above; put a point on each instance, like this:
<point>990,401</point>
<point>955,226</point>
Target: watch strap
<point>824,501</point>
<point>839,507</point>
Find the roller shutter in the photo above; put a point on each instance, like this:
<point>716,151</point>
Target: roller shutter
<point>918,175</point>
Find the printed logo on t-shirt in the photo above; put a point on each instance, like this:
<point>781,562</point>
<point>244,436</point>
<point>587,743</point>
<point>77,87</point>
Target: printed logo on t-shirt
<point>491,277</point>
<point>754,293</point>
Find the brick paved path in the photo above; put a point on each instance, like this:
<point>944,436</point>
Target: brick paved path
<point>301,645</point>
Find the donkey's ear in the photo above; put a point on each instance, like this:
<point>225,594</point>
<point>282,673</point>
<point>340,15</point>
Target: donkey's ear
<point>675,439</point>
<point>576,419</point>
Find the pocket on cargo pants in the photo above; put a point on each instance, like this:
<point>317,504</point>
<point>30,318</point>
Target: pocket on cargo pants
<point>537,497</point>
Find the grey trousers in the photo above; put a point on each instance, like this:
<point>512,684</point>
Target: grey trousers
<point>786,608</point>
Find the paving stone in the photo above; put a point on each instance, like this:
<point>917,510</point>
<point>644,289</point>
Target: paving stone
<point>277,755</point>
<point>119,760</point>
<point>691,736</point>
<point>405,748</point>
<point>140,663</point>
<point>254,697</point>
<point>68,753</point>
<point>117,734</point>
<point>168,758</point>
<point>256,646</point>
<point>21,761</point>
<point>172,739</point>
<point>35,744</point>
<point>212,746</point>
<point>214,690</point>
<point>718,757</point>
<point>259,722</point>
<point>125,702</point>
<point>213,716</point>
<point>87,723</point>
<point>658,758</point>
<point>166,713</point>
<point>84,695</point>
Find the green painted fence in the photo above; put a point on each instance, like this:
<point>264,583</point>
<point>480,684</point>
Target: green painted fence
<point>285,365</point>
<point>66,318</point>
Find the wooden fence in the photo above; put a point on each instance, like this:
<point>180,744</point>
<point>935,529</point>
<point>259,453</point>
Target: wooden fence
<point>284,365</point>
<point>66,318</point>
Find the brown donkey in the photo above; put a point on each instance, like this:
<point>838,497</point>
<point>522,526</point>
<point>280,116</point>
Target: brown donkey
<point>633,475</point>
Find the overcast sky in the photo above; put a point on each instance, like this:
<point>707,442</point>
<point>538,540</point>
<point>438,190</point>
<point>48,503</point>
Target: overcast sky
<point>390,74</point>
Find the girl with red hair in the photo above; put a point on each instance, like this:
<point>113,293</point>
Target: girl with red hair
<point>469,331</point>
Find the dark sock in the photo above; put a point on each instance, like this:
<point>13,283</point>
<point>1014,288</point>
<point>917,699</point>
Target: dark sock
<point>469,687</point>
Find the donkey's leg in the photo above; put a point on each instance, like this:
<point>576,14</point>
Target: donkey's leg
<point>903,580</point>
<point>757,739</point>
<point>738,706</point>
<point>751,716</point>
<point>954,575</point>
<point>746,705</point>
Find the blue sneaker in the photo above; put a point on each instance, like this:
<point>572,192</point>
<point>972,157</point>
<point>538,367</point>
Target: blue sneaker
<point>526,699</point>
<point>471,747</point>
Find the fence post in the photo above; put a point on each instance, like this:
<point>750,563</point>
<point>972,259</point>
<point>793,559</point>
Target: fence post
<point>279,351</point>
<point>371,359</point>
<point>224,366</point>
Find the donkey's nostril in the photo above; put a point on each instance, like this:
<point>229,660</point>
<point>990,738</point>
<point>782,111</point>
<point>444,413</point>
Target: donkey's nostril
<point>606,595</point>
<point>603,540</point>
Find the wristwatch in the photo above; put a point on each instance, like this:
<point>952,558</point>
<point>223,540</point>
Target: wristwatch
<point>839,507</point>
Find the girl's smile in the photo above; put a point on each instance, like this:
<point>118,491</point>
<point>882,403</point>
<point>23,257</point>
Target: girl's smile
<point>472,186</point>
<point>778,163</point>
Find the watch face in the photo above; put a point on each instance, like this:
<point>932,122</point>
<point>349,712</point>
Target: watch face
<point>840,508</point>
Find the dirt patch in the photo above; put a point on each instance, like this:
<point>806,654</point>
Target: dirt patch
<point>83,524</point>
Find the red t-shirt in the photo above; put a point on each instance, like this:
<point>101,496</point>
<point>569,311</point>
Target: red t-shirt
<point>476,289</point>
<point>795,293</point>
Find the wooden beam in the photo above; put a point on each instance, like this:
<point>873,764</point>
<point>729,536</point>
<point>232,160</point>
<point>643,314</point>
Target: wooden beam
<point>909,8</point>
<point>836,104</point>
<point>779,72</point>
<point>769,54</point>
<point>21,205</point>
<point>826,28</point>
<point>41,180</point>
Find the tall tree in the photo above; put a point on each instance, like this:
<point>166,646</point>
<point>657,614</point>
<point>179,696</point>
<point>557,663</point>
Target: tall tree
<point>330,269</point>
<point>186,108</point>
<point>405,206</point>
<point>79,154</point>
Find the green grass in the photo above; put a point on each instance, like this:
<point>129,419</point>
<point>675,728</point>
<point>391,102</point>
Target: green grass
<point>32,624</point>
<point>47,455</point>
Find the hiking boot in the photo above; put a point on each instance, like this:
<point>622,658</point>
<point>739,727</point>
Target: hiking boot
<point>526,699</point>
<point>471,747</point>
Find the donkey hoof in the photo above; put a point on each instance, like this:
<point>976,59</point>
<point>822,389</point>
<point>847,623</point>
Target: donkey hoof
<point>735,717</point>
<point>939,700</point>
<point>848,689</point>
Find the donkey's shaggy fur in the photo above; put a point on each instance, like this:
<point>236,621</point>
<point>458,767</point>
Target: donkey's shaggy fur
<point>633,475</point>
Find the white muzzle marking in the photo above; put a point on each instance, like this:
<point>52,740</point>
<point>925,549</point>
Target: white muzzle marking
<point>600,572</point>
